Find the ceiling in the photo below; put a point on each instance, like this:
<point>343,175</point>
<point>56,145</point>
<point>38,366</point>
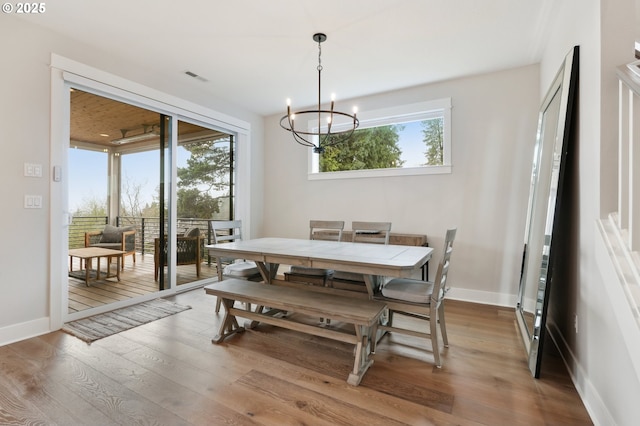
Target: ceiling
<point>103,122</point>
<point>257,53</point>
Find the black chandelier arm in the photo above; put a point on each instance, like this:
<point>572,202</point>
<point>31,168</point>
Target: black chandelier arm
<point>286,119</point>
<point>287,124</point>
<point>326,140</point>
<point>302,137</point>
<point>302,141</point>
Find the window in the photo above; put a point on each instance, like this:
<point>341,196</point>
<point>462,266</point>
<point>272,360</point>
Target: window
<point>406,140</point>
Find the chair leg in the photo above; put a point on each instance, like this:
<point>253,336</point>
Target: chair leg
<point>433,324</point>
<point>218,303</point>
<point>443,326</point>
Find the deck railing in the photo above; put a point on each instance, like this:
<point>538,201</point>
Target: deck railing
<point>147,229</point>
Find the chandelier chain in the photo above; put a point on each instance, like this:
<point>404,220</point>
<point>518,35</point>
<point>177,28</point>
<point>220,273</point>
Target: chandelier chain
<point>319,56</point>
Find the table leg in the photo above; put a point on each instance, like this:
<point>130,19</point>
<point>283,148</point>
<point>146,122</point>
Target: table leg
<point>98,270</point>
<point>268,271</point>
<point>372,283</point>
<point>88,263</point>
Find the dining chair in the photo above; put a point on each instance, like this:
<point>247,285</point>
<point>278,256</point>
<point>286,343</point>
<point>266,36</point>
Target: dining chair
<point>361,232</point>
<point>420,299</point>
<point>226,231</point>
<point>318,230</point>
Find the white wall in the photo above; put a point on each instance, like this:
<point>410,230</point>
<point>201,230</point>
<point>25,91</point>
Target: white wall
<point>494,120</point>
<point>25,122</point>
<point>601,368</point>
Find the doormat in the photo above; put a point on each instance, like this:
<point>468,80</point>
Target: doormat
<point>103,325</point>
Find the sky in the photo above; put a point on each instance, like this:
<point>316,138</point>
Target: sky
<point>413,152</point>
<point>88,174</point>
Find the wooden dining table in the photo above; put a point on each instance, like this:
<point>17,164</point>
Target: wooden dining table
<point>373,261</point>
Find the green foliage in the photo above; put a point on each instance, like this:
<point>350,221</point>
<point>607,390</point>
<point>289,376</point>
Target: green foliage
<point>196,204</point>
<point>433,139</point>
<point>207,171</point>
<point>372,148</point>
<point>207,166</point>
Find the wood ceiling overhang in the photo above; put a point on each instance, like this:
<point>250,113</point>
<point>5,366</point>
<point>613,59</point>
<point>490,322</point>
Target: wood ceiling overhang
<point>97,120</point>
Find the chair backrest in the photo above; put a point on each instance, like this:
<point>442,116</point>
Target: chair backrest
<point>330,230</point>
<point>225,231</point>
<point>370,232</point>
<point>440,288</point>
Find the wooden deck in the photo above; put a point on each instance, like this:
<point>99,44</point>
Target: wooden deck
<point>135,280</point>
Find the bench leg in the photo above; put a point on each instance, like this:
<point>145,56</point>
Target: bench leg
<point>229,325</point>
<point>362,361</point>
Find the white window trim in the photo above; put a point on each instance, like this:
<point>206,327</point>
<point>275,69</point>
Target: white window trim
<point>380,117</point>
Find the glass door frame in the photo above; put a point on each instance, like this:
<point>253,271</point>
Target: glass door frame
<point>66,74</point>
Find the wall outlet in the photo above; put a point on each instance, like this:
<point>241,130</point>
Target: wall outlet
<point>575,322</point>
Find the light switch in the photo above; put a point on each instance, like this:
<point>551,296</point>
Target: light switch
<point>32,170</point>
<point>33,201</point>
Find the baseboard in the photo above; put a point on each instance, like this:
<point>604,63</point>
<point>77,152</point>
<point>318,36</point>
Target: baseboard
<point>483,297</point>
<point>596,408</point>
<point>24,330</point>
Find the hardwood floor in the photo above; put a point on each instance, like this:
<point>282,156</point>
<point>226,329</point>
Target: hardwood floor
<point>169,373</point>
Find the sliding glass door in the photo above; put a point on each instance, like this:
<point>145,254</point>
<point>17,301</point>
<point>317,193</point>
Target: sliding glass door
<point>204,192</point>
<point>131,170</point>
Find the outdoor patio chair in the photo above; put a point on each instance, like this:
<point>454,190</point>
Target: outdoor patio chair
<point>189,251</point>
<point>114,238</point>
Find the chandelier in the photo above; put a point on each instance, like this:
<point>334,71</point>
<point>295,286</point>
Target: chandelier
<point>322,137</point>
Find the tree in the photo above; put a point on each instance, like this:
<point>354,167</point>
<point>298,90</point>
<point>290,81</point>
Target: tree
<point>197,204</point>
<point>372,148</point>
<point>130,204</point>
<point>92,206</point>
<point>433,139</point>
<point>206,173</point>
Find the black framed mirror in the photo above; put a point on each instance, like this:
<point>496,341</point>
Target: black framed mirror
<point>545,199</point>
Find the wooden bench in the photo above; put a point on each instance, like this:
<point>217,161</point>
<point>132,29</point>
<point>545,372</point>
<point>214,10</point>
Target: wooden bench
<point>272,301</point>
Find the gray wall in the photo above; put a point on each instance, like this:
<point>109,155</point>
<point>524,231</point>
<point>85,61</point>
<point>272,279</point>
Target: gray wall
<point>494,118</point>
